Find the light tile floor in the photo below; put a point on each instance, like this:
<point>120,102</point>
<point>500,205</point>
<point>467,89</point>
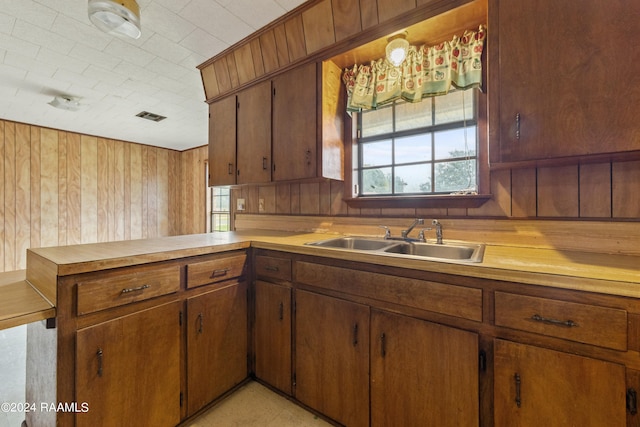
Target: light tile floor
<point>13,361</point>
<point>255,405</point>
<point>251,405</point>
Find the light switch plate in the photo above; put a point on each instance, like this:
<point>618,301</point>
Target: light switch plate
<point>240,205</point>
<point>260,205</point>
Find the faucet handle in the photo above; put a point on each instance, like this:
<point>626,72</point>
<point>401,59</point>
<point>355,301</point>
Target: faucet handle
<point>387,232</point>
<point>421,234</point>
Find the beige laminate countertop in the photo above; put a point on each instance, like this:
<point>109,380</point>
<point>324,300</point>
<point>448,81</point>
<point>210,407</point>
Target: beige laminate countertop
<point>592,272</point>
<point>604,273</point>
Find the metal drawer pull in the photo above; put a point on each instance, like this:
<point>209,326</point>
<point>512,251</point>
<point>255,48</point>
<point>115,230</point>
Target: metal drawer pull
<point>271,268</point>
<point>565,323</point>
<point>200,323</point>
<point>516,377</point>
<point>139,288</point>
<point>99,355</point>
<point>220,272</point>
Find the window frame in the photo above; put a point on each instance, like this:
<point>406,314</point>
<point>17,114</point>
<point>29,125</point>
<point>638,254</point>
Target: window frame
<point>420,200</point>
<point>429,132</point>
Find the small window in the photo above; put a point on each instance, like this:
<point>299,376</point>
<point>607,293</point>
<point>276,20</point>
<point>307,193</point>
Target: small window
<point>423,148</point>
<point>220,213</point>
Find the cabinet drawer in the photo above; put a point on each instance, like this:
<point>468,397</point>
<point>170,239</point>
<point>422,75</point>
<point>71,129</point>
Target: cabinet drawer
<point>443,298</point>
<point>215,269</point>
<point>589,324</point>
<point>273,267</point>
<point>126,286</point>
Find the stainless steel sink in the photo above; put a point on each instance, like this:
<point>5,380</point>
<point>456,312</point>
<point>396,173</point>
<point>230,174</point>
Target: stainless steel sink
<point>460,252</point>
<point>354,243</point>
<point>449,251</point>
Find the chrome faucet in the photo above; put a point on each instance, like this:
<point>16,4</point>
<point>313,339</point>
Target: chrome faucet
<point>406,232</point>
<point>438,231</point>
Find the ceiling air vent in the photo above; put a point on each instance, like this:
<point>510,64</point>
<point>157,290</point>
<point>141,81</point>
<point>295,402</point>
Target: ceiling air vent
<point>150,116</point>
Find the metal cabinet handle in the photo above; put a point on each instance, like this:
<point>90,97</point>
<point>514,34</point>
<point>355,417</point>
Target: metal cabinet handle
<point>383,345</point>
<point>555,322</point>
<point>517,379</point>
<point>230,169</point>
<point>99,355</point>
<point>271,268</point>
<point>219,273</point>
<point>264,163</point>
<point>518,126</point>
<point>281,311</point>
<point>139,288</point>
<point>200,322</point>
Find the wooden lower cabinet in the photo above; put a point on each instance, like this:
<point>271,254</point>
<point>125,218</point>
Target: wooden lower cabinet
<point>217,343</point>
<point>128,365</point>
<point>422,373</point>
<point>535,386</point>
<point>332,357</point>
<point>272,331</point>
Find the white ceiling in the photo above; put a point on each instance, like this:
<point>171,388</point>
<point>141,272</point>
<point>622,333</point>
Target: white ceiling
<point>49,47</point>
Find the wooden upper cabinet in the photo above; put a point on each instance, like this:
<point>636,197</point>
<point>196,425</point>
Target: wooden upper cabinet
<point>254,134</point>
<point>567,78</point>
<point>308,124</point>
<point>222,142</point>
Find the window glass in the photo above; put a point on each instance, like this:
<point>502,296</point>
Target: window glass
<point>413,115</point>
<point>414,178</point>
<point>414,148</point>
<point>377,122</point>
<point>376,181</point>
<point>377,153</point>
<point>455,143</point>
<point>455,176</point>
<point>450,108</point>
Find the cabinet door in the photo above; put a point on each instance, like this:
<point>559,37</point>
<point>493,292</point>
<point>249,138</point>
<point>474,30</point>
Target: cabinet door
<point>567,85</point>
<point>540,387</point>
<point>222,142</point>
<point>128,369</point>
<point>216,344</point>
<point>295,124</point>
<point>254,134</point>
<point>332,357</point>
<point>273,335</point>
<point>422,373</point>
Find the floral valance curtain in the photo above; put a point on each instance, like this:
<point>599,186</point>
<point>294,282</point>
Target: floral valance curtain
<point>427,71</point>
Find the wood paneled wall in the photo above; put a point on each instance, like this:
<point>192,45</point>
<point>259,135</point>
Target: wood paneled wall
<point>603,191</point>
<point>63,188</point>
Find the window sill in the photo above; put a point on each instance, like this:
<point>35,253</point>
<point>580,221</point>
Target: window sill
<point>439,201</point>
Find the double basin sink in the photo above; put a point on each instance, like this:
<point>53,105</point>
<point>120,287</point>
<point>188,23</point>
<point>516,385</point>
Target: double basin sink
<point>448,251</point>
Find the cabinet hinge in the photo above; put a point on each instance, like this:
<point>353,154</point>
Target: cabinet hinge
<point>180,318</point>
<point>181,399</point>
<point>482,361</point>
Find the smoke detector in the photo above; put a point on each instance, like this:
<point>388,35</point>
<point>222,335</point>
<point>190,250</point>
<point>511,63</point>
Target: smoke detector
<point>65,102</point>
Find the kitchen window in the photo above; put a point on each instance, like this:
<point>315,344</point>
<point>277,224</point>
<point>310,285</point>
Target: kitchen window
<point>220,216</point>
<point>423,148</point>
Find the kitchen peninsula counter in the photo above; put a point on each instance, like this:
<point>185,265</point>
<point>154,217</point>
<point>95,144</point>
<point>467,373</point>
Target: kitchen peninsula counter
<point>611,274</point>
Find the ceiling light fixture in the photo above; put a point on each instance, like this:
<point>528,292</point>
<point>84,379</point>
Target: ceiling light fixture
<point>65,102</point>
<point>117,17</point>
<point>397,48</point>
